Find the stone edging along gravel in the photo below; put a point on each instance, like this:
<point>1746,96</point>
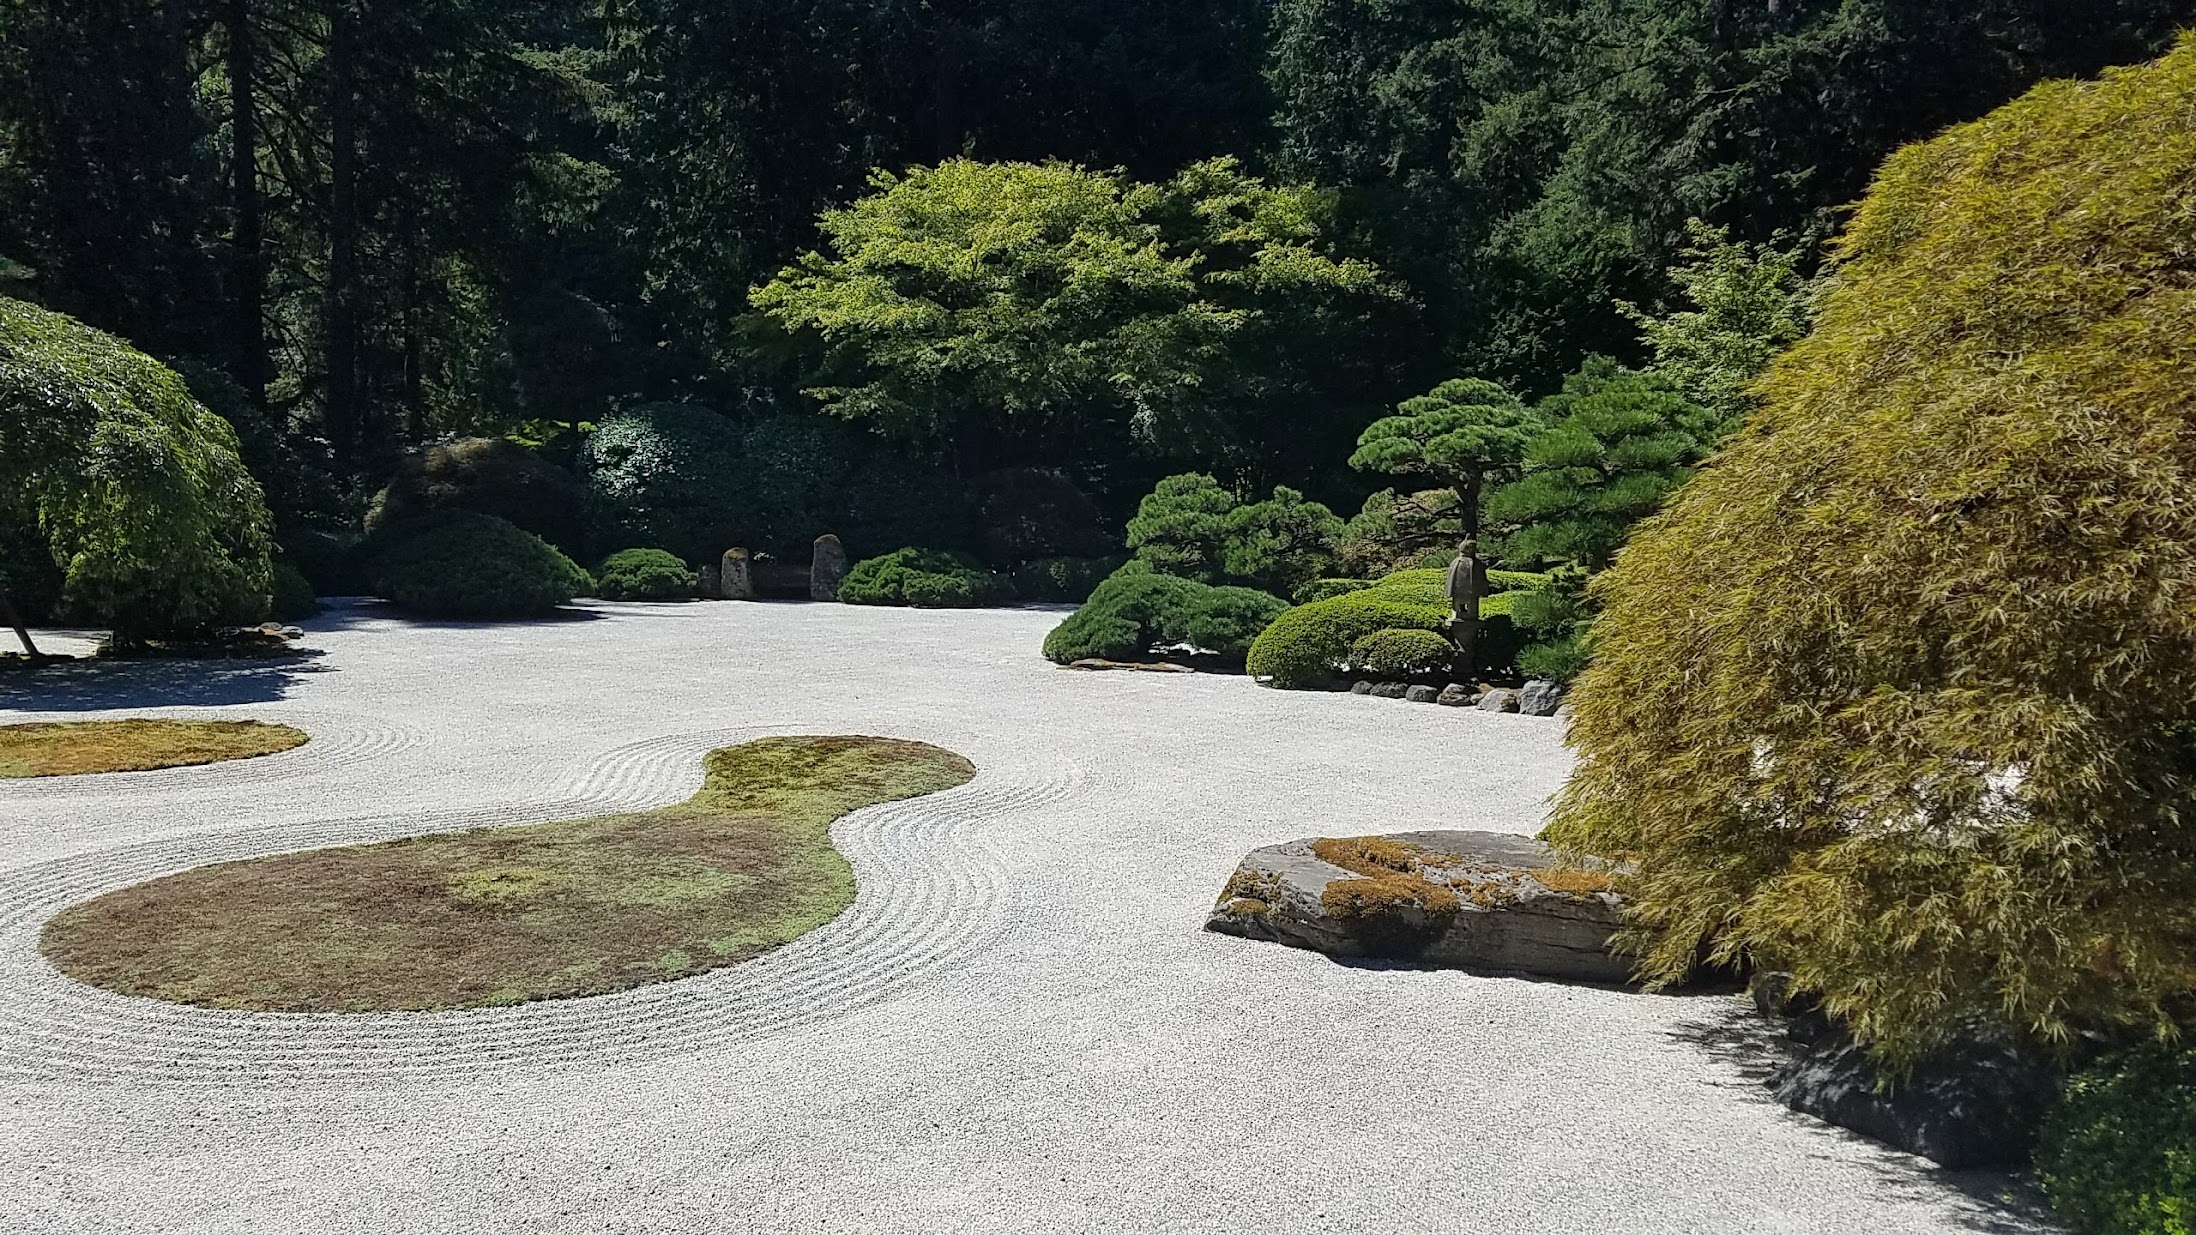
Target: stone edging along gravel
<point>930,893</point>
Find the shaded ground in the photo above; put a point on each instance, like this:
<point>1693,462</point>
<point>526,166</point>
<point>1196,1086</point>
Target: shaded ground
<point>506,915</point>
<point>73,748</point>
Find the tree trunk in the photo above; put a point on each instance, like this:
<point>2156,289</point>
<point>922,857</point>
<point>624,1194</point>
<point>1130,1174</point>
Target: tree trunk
<point>340,314</point>
<point>1467,499</point>
<point>250,292</point>
<point>14,619</point>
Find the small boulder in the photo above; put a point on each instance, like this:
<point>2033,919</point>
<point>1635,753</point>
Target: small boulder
<point>1456,695</point>
<point>1500,699</point>
<point>1421,694</point>
<point>1466,900</point>
<point>736,576</point>
<point>826,568</point>
<point>1361,688</point>
<point>1540,698</point>
<point>1388,690</point>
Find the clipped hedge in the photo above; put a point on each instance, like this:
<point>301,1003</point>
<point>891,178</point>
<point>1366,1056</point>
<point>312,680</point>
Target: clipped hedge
<point>925,579</point>
<point>1402,653</point>
<point>456,563</point>
<point>1327,589</point>
<point>1063,578</point>
<point>1310,643</point>
<point>2118,1156</point>
<point>1136,611</point>
<point>644,574</point>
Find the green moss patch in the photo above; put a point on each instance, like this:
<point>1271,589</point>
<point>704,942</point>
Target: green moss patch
<point>73,748</point>
<point>506,915</point>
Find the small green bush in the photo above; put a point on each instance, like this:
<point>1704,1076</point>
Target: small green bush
<point>293,593</point>
<point>1063,578</point>
<point>1310,643</point>
<point>1402,653</point>
<point>456,563</point>
<point>644,574</point>
<point>1137,610</point>
<point>2118,1156</point>
<point>926,579</point>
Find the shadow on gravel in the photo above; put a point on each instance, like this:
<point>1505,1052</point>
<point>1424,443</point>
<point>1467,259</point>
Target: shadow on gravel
<point>358,612</point>
<point>1754,1046</point>
<point>94,685</point>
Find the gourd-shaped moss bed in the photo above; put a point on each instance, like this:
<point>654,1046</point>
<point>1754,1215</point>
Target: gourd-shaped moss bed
<point>505,915</point>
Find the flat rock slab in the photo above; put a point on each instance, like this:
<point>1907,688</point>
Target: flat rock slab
<point>1465,900</point>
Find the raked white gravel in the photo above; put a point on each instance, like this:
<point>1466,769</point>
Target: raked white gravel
<point>1019,1026</point>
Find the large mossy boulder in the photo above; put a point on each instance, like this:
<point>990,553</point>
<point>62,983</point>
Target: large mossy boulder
<point>1470,900</point>
<point>1899,693</point>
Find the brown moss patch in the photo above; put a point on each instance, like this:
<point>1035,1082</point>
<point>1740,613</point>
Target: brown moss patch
<point>1249,893</point>
<point>1572,882</point>
<point>1390,879</point>
<point>76,748</point>
<point>505,915</point>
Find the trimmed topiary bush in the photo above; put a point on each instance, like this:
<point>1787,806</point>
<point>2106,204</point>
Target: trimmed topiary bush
<point>489,476</point>
<point>1138,610</point>
<point>1899,693</point>
<point>644,574</point>
<point>925,579</point>
<point>1311,643</point>
<point>1402,653</point>
<point>1063,578</point>
<point>464,565</point>
<point>2118,1156</point>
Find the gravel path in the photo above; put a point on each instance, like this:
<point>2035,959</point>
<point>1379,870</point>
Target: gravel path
<point>1017,1027</point>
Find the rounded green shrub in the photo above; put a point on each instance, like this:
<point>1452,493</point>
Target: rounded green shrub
<point>644,574</point>
<point>137,489</point>
<point>464,565</point>
<point>1402,653</point>
<point>1898,693</point>
<point>1311,643</point>
<point>1063,578</point>
<point>489,476</point>
<point>925,579</point>
<point>2118,1155</point>
<point>1139,610</point>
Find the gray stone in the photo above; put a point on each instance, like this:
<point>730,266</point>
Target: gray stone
<point>1421,694</point>
<point>1500,699</point>
<point>1361,688</point>
<point>1472,900</point>
<point>1539,698</point>
<point>736,577</point>
<point>1388,690</point>
<point>826,568</point>
<point>706,585</point>
<point>1977,1106</point>
<point>1456,695</point>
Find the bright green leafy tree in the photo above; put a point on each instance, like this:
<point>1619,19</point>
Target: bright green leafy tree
<point>973,298</point>
<point>1748,303</point>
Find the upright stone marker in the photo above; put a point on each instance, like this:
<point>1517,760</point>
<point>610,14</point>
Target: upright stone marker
<point>826,568</point>
<point>735,580</point>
